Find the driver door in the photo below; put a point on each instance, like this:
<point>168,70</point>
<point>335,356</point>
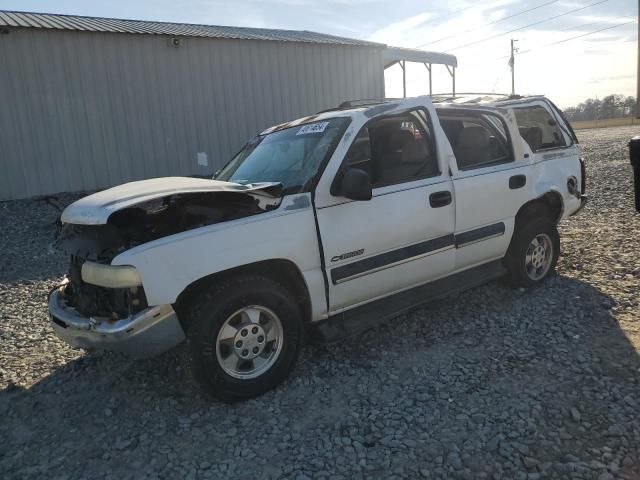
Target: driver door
<point>403,236</point>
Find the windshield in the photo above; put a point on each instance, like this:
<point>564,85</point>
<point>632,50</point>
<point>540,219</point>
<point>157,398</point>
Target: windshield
<point>291,156</point>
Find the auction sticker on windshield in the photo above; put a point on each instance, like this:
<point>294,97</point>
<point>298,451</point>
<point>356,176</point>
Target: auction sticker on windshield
<point>312,128</point>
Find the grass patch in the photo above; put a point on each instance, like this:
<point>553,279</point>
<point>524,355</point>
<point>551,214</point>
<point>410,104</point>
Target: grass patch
<point>604,123</point>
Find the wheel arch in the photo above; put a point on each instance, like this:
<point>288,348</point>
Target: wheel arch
<point>549,203</point>
<point>279,269</point>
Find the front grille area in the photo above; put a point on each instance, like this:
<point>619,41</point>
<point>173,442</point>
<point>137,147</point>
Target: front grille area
<point>92,300</point>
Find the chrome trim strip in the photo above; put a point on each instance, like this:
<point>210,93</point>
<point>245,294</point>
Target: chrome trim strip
<point>480,234</point>
<point>394,264</point>
<point>471,242</point>
<point>450,241</point>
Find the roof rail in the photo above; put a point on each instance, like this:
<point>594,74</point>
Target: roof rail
<point>464,94</point>
<point>443,97</point>
<point>362,102</point>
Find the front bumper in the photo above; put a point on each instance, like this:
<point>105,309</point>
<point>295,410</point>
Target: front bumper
<point>145,334</point>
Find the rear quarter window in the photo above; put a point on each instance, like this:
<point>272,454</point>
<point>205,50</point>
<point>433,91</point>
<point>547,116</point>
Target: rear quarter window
<point>539,129</point>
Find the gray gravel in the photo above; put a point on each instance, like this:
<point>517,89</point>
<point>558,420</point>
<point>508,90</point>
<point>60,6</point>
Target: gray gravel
<point>499,383</point>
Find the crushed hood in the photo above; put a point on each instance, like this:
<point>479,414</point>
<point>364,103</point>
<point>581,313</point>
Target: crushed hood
<point>95,209</point>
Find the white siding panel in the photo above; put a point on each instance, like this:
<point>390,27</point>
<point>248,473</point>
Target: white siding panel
<point>85,111</point>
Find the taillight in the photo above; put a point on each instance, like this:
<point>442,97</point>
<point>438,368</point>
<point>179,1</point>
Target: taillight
<point>583,177</point>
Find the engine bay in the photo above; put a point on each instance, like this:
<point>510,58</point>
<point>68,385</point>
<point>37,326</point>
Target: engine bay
<point>133,226</point>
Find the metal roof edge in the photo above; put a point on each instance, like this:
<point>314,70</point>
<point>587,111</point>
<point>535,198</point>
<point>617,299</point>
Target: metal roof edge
<point>398,54</point>
<point>21,19</point>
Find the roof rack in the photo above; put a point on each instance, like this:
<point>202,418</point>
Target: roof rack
<point>365,102</point>
<point>359,103</point>
<point>473,97</point>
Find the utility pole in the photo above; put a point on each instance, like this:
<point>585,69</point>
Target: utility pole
<point>512,64</point>
<point>638,71</point>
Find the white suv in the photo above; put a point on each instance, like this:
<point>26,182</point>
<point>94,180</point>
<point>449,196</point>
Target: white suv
<point>323,225</point>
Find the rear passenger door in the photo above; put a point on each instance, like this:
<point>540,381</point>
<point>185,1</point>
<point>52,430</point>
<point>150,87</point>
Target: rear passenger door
<point>490,183</point>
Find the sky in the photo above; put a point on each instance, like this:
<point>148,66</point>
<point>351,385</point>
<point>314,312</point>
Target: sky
<point>550,60</point>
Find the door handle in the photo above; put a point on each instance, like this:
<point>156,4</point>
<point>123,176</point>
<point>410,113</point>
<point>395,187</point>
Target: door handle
<point>440,199</point>
<point>517,181</point>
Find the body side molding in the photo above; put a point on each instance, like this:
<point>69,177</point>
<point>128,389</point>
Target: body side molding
<point>409,253</point>
<point>386,260</point>
<point>479,234</point>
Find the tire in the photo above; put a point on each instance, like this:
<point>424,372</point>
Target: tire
<point>244,337</point>
<point>528,266</point>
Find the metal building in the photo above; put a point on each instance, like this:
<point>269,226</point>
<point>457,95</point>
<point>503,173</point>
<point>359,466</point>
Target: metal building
<point>88,103</point>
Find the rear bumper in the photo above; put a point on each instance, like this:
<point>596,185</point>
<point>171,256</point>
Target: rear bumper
<point>583,202</point>
<point>146,334</point>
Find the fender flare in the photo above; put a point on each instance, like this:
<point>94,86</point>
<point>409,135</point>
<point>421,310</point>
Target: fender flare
<point>282,270</point>
<point>548,194</point>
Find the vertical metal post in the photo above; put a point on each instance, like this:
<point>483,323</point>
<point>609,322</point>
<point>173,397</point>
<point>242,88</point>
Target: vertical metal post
<point>512,64</point>
<point>452,72</point>
<point>634,157</point>
<point>453,75</point>
<point>404,79</point>
<point>638,71</point>
<point>428,65</point>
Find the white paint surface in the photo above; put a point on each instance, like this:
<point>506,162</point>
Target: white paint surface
<point>396,216</point>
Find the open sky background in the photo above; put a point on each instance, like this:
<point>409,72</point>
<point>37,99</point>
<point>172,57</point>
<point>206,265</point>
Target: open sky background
<point>568,72</point>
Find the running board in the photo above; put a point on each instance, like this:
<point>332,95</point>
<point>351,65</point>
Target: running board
<point>374,313</point>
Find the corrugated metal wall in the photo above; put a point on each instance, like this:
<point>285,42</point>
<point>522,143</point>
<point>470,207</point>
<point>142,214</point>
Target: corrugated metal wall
<point>83,111</point>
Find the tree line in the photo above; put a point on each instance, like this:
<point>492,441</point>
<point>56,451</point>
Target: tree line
<point>611,106</point>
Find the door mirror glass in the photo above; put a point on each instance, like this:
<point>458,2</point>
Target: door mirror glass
<point>356,185</point>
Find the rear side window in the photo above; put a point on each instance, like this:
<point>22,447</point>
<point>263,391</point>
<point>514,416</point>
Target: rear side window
<point>539,129</point>
<point>478,140</point>
<point>394,150</point>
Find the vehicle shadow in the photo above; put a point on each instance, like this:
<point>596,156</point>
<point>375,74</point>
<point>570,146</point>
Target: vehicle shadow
<point>561,374</point>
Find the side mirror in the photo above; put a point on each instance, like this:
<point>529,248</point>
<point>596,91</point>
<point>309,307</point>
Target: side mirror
<point>355,185</point>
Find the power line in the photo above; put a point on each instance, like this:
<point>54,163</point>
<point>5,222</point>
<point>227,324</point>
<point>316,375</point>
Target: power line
<point>529,25</point>
<point>582,25</point>
<point>487,24</point>
<point>564,40</point>
<point>451,14</point>
<point>577,36</point>
<point>437,17</point>
<point>577,27</point>
<point>559,41</point>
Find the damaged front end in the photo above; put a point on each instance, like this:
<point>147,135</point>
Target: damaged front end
<point>95,245</point>
<point>104,306</point>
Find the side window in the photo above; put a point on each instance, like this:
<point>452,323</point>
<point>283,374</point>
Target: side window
<point>477,141</point>
<point>359,155</point>
<point>539,129</point>
<point>394,150</point>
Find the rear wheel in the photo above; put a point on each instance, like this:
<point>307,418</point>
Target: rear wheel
<point>244,337</point>
<point>533,252</point>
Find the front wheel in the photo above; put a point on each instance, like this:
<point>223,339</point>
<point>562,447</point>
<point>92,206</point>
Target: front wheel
<point>244,337</point>
<point>533,252</point>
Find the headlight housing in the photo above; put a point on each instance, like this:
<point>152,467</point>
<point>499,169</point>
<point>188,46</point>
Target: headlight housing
<point>110,276</point>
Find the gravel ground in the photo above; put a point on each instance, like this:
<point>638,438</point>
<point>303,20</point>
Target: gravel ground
<point>500,383</point>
